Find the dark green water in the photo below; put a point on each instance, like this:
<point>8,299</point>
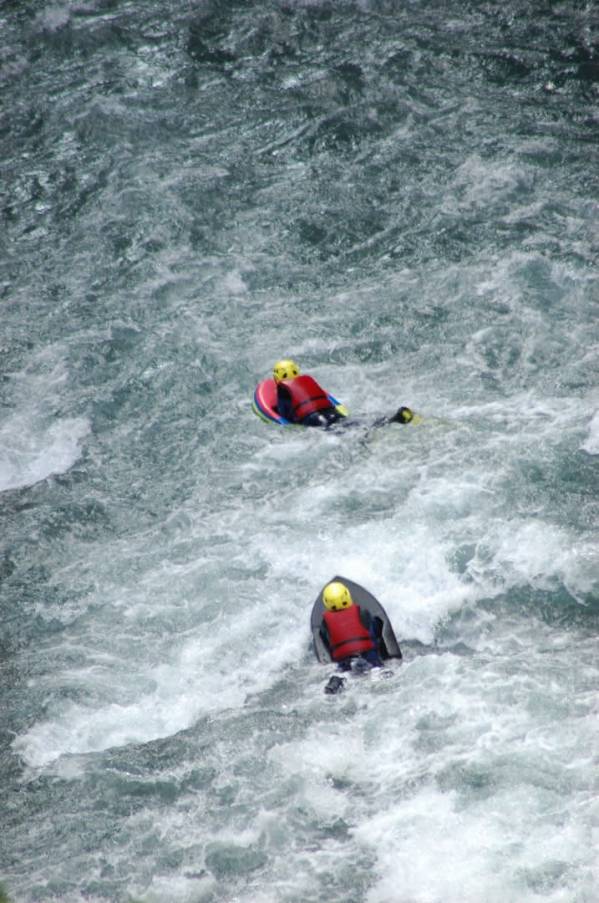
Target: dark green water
<point>403,197</point>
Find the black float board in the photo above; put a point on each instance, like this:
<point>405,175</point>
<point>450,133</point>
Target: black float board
<point>389,647</point>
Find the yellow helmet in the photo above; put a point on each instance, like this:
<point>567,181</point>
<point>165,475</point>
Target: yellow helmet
<point>336,595</point>
<point>285,369</point>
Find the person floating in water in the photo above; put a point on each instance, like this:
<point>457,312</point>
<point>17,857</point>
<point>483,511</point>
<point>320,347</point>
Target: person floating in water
<point>300,399</point>
<point>349,634</point>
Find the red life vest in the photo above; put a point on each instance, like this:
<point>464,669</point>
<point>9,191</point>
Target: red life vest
<point>306,396</point>
<point>347,634</point>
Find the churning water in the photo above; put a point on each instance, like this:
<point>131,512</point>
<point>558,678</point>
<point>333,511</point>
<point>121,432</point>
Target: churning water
<point>403,196</point>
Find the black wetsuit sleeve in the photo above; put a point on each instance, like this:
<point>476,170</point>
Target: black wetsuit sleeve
<point>284,406</point>
<point>366,619</point>
<point>324,635</point>
<point>373,626</point>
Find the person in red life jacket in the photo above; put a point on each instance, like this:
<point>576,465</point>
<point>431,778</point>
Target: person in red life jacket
<point>347,631</point>
<point>300,399</point>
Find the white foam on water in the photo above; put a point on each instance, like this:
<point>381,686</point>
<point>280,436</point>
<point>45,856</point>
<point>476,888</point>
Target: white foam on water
<point>591,444</point>
<point>477,183</point>
<point>32,450</point>
<point>53,17</point>
<point>181,890</point>
<point>35,442</point>
<point>234,284</point>
<point>453,777</point>
<point>217,669</point>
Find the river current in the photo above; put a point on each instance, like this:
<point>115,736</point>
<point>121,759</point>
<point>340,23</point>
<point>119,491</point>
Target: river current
<point>403,197</point>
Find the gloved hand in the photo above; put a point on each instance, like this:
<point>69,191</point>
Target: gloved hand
<point>335,684</point>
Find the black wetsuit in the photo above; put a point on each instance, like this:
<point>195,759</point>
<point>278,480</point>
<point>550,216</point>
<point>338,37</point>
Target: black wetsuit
<point>326,417</point>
